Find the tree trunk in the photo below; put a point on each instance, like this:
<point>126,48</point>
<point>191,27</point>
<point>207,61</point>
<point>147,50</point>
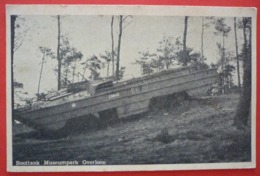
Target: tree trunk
<point>58,54</point>
<point>83,75</point>
<point>167,63</point>
<point>238,72</point>
<point>39,83</point>
<point>112,50</point>
<point>73,73</point>
<point>185,62</point>
<point>223,64</point>
<point>119,45</point>
<point>13,19</point>
<point>243,109</point>
<point>66,76</point>
<point>107,69</point>
<point>245,43</point>
<point>202,35</point>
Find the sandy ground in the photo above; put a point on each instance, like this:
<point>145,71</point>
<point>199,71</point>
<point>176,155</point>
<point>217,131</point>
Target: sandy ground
<point>191,131</point>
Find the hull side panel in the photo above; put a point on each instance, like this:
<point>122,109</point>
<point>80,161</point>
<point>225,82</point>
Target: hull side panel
<point>129,100</point>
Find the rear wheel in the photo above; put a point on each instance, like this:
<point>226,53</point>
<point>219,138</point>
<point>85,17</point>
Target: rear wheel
<point>108,116</point>
<point>80,124</point>
<point>167,102</point>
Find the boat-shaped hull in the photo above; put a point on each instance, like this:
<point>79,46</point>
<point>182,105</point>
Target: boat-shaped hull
<point>124,99</point>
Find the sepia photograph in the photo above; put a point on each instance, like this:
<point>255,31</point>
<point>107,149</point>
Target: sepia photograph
<point>120,88</point>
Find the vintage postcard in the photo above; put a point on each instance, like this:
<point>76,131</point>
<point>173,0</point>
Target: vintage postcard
<point>130,88</point>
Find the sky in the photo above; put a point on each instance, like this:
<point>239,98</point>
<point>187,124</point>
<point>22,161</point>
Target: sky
<point>92,36</point>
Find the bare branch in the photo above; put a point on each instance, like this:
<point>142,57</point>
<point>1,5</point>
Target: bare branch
<point>17,46</point>
<point>128,24</point>
<point>126,17</point>
<point>65,35</point>
<point>20,37</point>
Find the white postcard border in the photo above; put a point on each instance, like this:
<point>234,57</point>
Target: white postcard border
<point>129,10</point>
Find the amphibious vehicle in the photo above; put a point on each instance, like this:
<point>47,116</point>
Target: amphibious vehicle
<point>81,101</point>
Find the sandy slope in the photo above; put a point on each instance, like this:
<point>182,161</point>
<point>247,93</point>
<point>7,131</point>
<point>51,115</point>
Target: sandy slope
<point>190,131</point>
